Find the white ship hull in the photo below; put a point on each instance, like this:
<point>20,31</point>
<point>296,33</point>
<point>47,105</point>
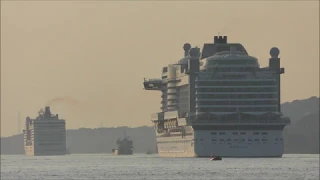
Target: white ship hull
<point>206,143</point>
<point>175,146</point>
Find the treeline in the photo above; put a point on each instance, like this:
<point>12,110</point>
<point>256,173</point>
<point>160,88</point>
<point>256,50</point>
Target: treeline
<point>302,136</point>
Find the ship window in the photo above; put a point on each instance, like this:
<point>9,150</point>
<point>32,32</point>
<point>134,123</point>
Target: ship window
<point>213,140</point>
<point>213,133</point>
<point>222,133</point>
<point>235,133</point>
<point>256,133</point>
<point>242,133</point>
<point>221,139</point>
<point>264,133</point>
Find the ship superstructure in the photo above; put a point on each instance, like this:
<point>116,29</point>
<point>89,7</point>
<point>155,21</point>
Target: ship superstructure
<point>124,146</point>
<point>219,102</point>
<point>45,135</point>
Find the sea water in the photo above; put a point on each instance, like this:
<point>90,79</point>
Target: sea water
<point>140,166</point>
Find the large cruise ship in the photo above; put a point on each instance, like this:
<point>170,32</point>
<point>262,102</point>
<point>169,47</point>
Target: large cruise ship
<point>45,135</point>
<point>219,102</point>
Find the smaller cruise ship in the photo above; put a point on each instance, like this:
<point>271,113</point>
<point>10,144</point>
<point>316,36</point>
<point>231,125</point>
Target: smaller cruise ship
<point>45,135</point>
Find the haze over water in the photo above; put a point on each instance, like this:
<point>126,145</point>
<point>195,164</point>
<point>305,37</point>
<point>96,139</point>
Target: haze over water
<point>88,59</point>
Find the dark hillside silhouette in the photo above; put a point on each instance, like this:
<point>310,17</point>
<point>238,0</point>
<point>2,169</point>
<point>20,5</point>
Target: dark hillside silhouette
<point>302,136</point>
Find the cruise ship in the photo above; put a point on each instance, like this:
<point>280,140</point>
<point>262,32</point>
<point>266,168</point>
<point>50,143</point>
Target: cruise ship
<point>45,135</point>
<point>219,102</point>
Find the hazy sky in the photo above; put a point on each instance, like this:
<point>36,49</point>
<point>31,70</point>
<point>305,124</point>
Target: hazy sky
<point>96,54</point>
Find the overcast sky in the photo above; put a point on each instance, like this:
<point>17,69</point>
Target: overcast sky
<point>94,55</point>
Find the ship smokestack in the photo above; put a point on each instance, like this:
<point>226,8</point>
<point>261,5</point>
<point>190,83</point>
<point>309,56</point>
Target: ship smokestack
<point>47,111</point>
<point>186,48</point>
<point>220,39</point>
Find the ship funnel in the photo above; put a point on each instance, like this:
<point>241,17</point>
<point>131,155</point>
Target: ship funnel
<point>47,111</point>
<point>220,39</point>
<point>186,48</point>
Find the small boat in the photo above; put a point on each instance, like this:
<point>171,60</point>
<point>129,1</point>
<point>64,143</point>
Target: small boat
<point>217,158</point>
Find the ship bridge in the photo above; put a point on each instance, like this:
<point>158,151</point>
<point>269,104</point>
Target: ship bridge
<point>152,84</point>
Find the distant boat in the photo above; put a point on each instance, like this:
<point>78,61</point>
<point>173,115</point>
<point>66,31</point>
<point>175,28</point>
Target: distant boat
<point>217,158</point>
<point>124,146</point>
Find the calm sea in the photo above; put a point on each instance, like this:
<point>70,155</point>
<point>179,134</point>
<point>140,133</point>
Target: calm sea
<point>140,166</point>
